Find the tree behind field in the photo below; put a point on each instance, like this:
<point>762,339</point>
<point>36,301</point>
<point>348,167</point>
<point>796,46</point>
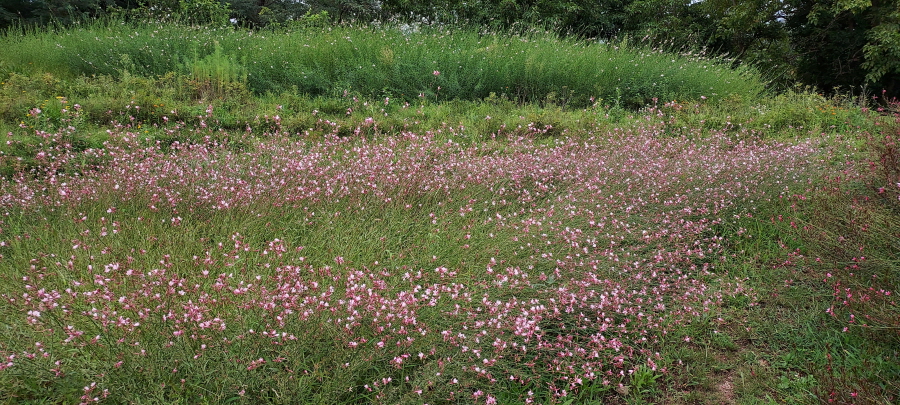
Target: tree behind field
<point>40,12</point>
<point>845,44</point>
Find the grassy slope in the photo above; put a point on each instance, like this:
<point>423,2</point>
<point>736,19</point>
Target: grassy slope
<point>383,62</point>
<point>767,336</point>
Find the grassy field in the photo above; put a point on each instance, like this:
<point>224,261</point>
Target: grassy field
<point>380,62</point>
<point>361,215</point>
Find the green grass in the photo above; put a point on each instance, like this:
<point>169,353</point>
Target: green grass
<point>787,337</point>
<point>383,62</point>
<point>775,345</point>
<point>392,236</point>
<point>823,328</point>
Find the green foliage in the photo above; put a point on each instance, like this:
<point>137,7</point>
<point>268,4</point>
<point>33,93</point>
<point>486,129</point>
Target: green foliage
<point>824,263</point>
<point>847,44</point>
<point>218,76</point>
<point>643,379</point>
<point>432,65</point>
<point>801,358</point>
<point>883,49</point>
<point>311,81</point>
<point>203,12</point>
<point>348,10</point>
<point>827,44</point>
<point>255,13</point>
<point>41,12</point>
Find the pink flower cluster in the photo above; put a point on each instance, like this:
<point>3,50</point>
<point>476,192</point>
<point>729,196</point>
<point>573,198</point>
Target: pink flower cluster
<point>605,244</point>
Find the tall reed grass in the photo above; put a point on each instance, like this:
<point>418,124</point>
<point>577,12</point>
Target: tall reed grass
<point>387,62</point>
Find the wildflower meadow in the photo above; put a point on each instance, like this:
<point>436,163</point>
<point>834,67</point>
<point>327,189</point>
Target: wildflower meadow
<point>166,242</point>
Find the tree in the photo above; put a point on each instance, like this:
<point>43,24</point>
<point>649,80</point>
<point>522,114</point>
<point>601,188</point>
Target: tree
<point>45,11</point>
<point>847,44</point>
<point>342,10</point>
<point>260,13</point>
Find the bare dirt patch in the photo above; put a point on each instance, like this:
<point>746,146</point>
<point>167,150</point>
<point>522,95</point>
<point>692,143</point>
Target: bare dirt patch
<point>726,390</point>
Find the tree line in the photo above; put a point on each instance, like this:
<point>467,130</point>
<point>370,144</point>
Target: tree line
<point>835,45</point>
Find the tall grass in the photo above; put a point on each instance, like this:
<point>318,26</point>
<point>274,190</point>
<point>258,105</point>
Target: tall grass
<point>388,62</point>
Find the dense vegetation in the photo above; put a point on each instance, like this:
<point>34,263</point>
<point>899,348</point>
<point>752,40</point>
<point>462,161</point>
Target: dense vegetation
<point>314,212</point>
<point>835,45</point>
<point>386,62</point>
